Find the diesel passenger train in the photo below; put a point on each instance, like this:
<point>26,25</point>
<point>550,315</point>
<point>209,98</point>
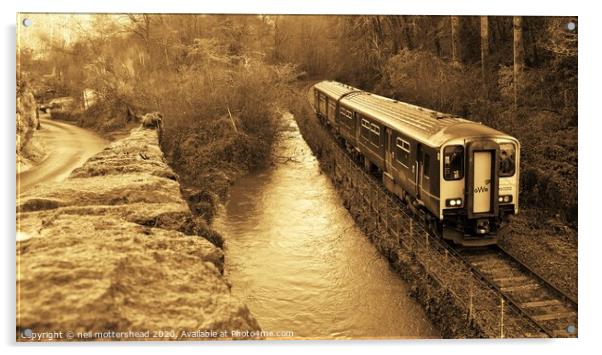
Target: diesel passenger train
<point>462,174</point>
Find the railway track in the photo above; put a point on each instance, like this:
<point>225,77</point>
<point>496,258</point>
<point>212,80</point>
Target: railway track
<point>546,307</point>
<point>542,304</point>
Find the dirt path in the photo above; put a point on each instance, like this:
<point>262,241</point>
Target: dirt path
<point>67,147</point>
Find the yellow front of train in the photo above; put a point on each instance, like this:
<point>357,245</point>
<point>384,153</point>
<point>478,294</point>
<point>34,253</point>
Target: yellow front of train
<point>479,187</point>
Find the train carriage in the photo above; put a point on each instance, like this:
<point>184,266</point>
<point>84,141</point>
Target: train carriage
<point>462,173</point>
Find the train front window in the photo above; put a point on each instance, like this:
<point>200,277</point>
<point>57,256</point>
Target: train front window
<point>507,160</point>
<point>453,162</point>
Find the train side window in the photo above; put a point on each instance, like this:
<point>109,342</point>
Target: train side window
<point>375,136</point>
<point>507,160</point>
<point>426,166</point>
<point>365,128</point>
<point>322,103</point>
<point>347,116</point>
<point>331,109</point>
<point>402,151</point>
<point>453,162</point>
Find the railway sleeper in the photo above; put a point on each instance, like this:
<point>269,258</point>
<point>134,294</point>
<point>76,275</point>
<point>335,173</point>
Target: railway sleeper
<point>519,288</point>
<point>512,280</point>
<point>493,267</point>
<point>555,316</point>
<point>542,303</point>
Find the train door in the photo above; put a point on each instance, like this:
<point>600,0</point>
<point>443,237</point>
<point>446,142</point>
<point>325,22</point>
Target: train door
<point>388,150</point>
<point>418,171</point>
<point>482,182</point>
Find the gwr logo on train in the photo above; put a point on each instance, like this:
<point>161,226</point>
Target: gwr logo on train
<point>480,189</point>
<point>423,157</point>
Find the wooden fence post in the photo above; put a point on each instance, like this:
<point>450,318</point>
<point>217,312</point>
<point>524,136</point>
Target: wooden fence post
<point>470,304</point>
<point>502,318</point>
<point>411,239</point>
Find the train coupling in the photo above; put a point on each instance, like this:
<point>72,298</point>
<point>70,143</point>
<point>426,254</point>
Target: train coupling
<point>482,226</point>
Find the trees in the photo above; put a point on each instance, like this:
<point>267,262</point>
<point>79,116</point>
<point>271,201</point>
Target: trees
<point>484,46</point>
<point>518,56</point>
<point>515,74</point>
<point>196,68</point>
<point>455,39</point>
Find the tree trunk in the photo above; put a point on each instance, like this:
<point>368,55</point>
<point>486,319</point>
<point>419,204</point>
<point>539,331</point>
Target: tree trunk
<point>405,24</point>
<point>484,47</point>
<point>395,30</point>
<point>519,57</point>
<point>455,39</point>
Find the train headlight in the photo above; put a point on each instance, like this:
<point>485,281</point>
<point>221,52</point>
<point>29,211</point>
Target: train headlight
<point>453,202</point>
<point>505,198</point>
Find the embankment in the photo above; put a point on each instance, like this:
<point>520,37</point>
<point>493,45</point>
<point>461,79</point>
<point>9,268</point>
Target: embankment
<point>28,150</point>
<point>115,247</point>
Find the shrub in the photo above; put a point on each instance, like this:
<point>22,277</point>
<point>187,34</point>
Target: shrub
<point>219,123</point>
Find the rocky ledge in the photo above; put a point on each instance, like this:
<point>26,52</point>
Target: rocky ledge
<point>115,248</point>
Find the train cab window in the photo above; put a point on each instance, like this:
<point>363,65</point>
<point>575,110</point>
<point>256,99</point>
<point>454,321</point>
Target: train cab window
<point>402,151</point>
<point>365,129</point>
<point>375,135</point>
<point>426,166</point>
<point>453,162</point>
<point>507,160</point>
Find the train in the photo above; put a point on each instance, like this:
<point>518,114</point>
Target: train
<point>461,176</point>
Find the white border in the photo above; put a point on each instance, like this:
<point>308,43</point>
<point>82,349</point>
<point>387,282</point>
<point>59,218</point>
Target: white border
<point>589,161</point>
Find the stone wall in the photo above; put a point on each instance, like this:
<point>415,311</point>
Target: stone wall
<point>114,247</point>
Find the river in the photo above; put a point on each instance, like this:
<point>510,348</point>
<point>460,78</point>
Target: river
<point>66,146</point>
<point>295,256</point>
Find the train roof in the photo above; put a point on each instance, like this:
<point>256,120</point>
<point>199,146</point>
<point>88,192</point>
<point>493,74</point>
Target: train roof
<point>335,89</point>
<point>428,126</point>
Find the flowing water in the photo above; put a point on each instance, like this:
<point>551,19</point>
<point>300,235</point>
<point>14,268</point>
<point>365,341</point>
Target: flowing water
<point>66,146</point>
<point>295,256</point>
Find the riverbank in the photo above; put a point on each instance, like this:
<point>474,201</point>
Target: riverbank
<point>115,247</point>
